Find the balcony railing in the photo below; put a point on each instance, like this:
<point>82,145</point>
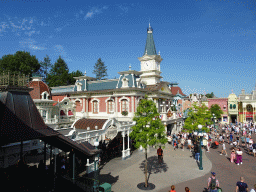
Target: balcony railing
<point>61,119</point>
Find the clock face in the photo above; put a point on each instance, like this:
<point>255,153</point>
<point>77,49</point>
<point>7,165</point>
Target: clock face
<point>147,65</point>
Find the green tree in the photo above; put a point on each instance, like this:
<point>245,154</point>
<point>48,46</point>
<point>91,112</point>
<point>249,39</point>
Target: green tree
<point>210,95</point>
<point>100,69</point>
<point>21,62</point>
<point>73,74</point>
<point>59,74</point>
<point>149,130</point>
<point>215,109</point>
<point>45,67</point>
<point>197,115</point>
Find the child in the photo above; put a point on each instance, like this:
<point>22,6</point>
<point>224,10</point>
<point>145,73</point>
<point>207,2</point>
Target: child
<point>223,149</point>
<point>233,155</point>
<point>172,189</point>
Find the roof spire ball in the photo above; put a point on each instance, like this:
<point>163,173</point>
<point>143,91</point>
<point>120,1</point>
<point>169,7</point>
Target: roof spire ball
<point>85,73</point>
<point>159,53</point>
<point>130,67</point>
<point>150,28</point>
<point>146,52</point>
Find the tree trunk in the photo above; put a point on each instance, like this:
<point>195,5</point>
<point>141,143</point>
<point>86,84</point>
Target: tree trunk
<point>146,168</point>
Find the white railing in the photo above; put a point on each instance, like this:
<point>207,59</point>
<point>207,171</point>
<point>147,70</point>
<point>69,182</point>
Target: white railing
<point>61,119</point>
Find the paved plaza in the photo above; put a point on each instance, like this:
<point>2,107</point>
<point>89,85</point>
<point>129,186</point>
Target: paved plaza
<point>179,169</point>
<point>178,166</point>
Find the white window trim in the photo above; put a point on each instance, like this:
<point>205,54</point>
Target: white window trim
<point>120,103</point>
<point>98,104</point>
<point>42,95</point>
<point>106,101</point>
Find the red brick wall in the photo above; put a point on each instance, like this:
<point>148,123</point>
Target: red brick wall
<point>56,97</point>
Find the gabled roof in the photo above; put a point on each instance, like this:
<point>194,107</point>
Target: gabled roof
<point>177,90</point>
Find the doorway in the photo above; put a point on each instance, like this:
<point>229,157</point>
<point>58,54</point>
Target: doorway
<point>233,118</point>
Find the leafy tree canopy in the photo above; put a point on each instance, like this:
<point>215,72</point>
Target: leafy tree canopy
<point>45,67</point>
<point>100,69</point>
<point>149,130</point>
<point>59,74</point>
<point>210,95</point>
<point>215,109</point>
<point>21,62</point>
<point>197,115</point>
<point>73,74</point>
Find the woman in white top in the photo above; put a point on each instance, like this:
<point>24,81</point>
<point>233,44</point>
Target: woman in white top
<point>239,154</point>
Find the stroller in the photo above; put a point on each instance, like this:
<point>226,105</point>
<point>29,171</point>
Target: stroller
<point>215,145</point>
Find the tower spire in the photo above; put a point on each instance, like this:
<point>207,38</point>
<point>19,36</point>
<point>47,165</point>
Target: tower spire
<point>150,48</point>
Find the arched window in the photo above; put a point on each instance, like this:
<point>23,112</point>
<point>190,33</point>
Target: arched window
<point>230,106</point>
<point>45,95</point>
<point>124,105</point>
<point>62,113</point>
<point>110,106</point>
<point>249,108</point>
<point>70,112</point>
<point>95,106</point>
<point>77,103</point>
<point>234,106</point>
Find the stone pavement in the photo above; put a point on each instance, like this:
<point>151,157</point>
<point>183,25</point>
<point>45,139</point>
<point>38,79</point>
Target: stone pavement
<point>178,166</point>
<point>226,172</point>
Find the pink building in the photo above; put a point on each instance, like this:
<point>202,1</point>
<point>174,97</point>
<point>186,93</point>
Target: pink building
<point>223,103</point>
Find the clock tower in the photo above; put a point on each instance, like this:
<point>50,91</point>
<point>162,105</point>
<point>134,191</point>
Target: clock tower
<point>150,61</point>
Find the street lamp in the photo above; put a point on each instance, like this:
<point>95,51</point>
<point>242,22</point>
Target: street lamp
<point>214,119</point>
<point>200,134</point>
<point>96,184</point>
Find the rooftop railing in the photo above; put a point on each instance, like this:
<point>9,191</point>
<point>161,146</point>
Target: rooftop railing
<point>13,79</point>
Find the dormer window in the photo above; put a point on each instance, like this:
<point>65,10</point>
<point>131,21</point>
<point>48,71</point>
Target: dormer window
<point>45,95</point>
<point>125,82</point>
<point>79,86</point>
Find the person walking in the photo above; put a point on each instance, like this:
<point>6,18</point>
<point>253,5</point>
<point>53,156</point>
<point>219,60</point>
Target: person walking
<point>160,155</point>
<point>182,141</point>
<point>231,138</point>
<point>224,149</point>
<point>239,154</point>
<point>196,151</point>
<point>213,183</point>
<point>189,143</point>
<point>241,186</point>
<point>187,189</point>
<point>233,155</point>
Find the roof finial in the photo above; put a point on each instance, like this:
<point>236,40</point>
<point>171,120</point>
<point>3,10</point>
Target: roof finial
<point>85,73</point>
<point>159,53</point>
<point>130,67</point>
<point>146,52</point>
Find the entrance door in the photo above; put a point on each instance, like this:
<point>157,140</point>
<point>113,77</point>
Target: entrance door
<point>233,118</point>
<point>169,129</point>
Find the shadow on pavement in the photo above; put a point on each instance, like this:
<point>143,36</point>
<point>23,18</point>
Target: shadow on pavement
<point>108,178</point>
<point>154,166</point>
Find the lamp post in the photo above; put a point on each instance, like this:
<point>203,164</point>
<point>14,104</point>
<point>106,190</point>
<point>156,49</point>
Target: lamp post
<point>96,185</point>
<point>200,134</point>
<point>214,119</point>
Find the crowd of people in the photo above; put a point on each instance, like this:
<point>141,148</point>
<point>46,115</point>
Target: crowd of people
<point>237,136</point>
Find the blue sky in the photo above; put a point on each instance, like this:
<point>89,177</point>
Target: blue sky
<point>206,46</point>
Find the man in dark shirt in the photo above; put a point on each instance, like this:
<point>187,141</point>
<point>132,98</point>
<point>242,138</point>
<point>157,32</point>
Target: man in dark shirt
<point>196,150</point>
<point>241,186</point>
<point>160,155</point>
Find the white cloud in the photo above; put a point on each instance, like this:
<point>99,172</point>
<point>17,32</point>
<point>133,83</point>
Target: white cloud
<point>94,11</point>
<point>31,44</point>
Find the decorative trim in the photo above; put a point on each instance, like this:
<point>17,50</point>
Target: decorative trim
<point>98,102</point>
<point>118,81</point>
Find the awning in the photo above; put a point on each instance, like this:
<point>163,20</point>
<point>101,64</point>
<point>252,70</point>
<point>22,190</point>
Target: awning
<point>21,121</point>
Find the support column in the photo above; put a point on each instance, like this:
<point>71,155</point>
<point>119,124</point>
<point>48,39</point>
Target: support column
<point>133,104</point>
<point>116,106</point>
<point>85,114</point>
<point>128,143</point>
<point>87,107</point>
<point>123,152</point>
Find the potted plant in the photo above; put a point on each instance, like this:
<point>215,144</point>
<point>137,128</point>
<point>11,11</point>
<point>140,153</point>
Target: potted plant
<point>124,113</point>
